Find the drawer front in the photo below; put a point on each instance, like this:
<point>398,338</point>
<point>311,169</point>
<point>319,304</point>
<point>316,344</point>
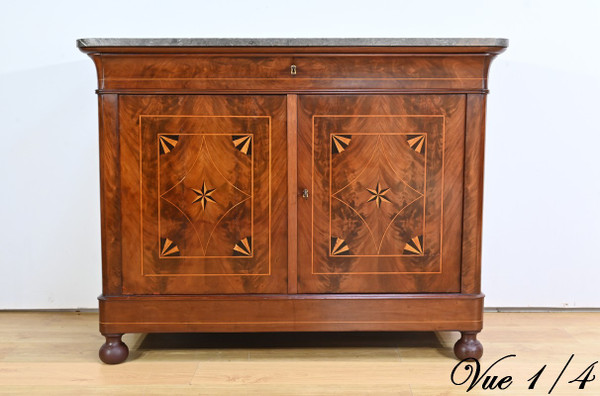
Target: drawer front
<point>194,73</point>
<point>384,209</point>
<point>389,72</point>
<point>203,190</point>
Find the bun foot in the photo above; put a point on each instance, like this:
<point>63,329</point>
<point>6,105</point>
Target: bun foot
<point>113,351</point>
<point>468,346</point>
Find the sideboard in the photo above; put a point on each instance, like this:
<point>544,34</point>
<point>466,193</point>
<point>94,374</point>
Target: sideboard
<point>268,185</point>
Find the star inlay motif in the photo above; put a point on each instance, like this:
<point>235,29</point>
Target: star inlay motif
<point>204,195</point>
<point>378,195</point>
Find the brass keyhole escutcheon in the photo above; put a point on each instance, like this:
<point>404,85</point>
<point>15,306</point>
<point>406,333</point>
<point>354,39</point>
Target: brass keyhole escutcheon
<point>305,193</point>
<point>293,70</point>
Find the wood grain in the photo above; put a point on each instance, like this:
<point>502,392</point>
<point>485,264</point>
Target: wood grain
<point>292,151</point>
<point>230,239</point>
<point>473,194</point>
<point>205,72</point>
<point>350,242</point>
<point>315,312</point>
<point>110,195</point>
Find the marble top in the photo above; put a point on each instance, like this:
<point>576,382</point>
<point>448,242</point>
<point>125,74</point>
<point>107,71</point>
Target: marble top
<point>292,42</point>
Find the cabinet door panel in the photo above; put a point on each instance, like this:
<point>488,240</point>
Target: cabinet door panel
<point>385,175</point>
<point>204,182</point>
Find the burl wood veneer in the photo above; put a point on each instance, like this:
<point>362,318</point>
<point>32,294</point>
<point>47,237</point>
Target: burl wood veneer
<point>291,185</point>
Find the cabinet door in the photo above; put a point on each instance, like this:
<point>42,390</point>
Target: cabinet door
<point>203,192</point>
<point>385,177</point>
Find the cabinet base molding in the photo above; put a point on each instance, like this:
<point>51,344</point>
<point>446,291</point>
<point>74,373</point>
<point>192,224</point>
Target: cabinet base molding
<point>300,312</point>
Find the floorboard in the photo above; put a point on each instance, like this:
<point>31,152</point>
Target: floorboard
<point>55,353</point>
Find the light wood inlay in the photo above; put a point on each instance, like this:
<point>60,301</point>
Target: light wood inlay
<point>404,153</point>
<point>381,164</point>
<point>210,194</point>
<point>205,206</point>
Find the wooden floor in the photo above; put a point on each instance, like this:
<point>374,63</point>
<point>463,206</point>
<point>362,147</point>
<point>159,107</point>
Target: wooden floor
<point>53,353</point>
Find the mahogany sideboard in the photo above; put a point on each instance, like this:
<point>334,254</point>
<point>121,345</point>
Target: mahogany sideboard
<point>266,185</point>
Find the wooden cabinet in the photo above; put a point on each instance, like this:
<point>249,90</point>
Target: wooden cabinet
<point>291,185</point>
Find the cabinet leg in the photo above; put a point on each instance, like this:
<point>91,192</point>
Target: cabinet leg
<point>468,346</point>
<point>113,351</point>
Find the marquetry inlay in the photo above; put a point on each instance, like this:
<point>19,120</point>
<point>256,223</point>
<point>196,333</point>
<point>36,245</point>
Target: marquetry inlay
<point>211,195</point>
<point>167,143</point>
<point>203,195</point>
<point>243,247</point>
<point>339,247</point>
<point>208,206</point>
<point>416,142</point>
<point>375,202</point>
<point>168,248</point>
<point>414,246</point>
<point>378,195</point>
<point>243,143</point>
<point>340,143</point>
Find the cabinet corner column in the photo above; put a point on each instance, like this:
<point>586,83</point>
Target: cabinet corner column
<point>110,193</point>
<point>473,194</point>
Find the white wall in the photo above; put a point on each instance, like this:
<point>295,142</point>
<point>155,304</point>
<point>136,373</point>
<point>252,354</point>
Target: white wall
<point>542,209</point>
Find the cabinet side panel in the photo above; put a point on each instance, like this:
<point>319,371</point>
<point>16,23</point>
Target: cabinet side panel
<point>473,194</point>
<point>110,195</point>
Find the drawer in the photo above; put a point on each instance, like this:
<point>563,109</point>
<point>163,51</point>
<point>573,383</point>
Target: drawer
<point>393,67</point>
<point>273,73</point>
<point>191,72</point>
<point>392,72</point>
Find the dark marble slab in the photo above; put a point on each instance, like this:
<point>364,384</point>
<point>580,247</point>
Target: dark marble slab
<point>292,42</point>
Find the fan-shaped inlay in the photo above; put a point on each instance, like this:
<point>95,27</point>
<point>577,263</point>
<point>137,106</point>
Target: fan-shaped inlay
<point>167,143</point>
<point>243,247</point>
<point>243,143</point>
<point>339,247</point>
<point>340,143</point>
<point>168,248</point>
<point>414,246</point>
<point>416,142</point>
